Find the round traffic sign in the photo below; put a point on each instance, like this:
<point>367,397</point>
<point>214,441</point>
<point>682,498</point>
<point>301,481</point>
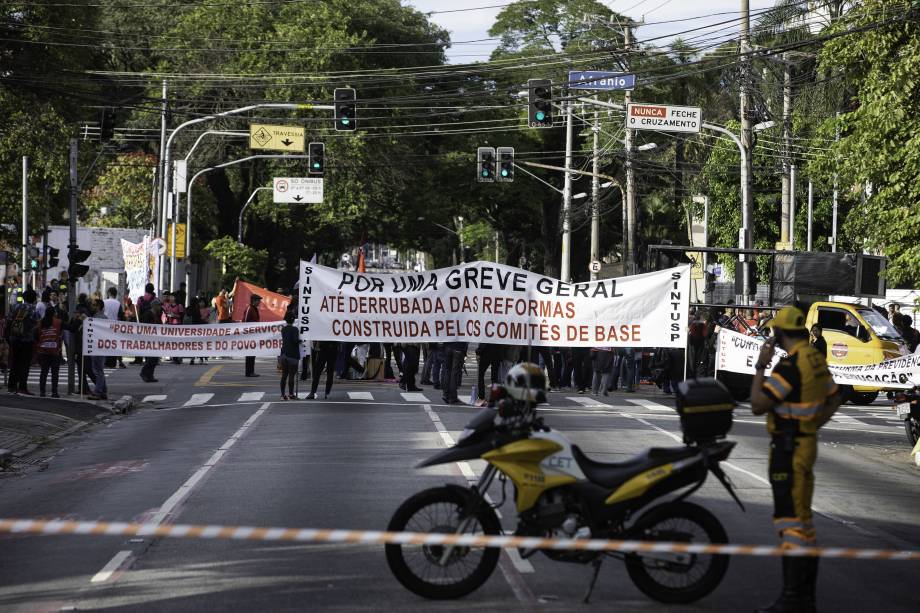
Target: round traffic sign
<point>281,185</point>
<point>595,266</point>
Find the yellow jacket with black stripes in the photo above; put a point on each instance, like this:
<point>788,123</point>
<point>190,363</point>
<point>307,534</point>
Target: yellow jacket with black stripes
<point>800,384</point>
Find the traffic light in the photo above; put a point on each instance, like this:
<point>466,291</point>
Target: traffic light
<point>75,269</point>
<point>34,259</point>
<point>53,254</point>
<point>485,164</point>
<point>505,157</point>
<point>107,124</point>
<point>316,158</point>
<point>345,114</point>
<point>540,103</point>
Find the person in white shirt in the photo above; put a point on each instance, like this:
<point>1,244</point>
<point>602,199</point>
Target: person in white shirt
<point>114,311</point>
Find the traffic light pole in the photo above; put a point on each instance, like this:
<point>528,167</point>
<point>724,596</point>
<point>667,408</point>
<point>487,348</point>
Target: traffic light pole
<point>72,246</point>
<point>167,159</point>
<point>25,224</point>
<point>565,268</point>
<point>239,231</point>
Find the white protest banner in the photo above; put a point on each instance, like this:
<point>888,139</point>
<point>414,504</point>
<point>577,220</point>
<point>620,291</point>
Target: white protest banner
<point>108,337</point>
<point>135,257</point>
<point>738,353</point>
<point>492,303</point>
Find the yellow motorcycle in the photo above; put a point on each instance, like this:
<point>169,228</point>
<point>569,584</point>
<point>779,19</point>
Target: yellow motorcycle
<point>561,493</point>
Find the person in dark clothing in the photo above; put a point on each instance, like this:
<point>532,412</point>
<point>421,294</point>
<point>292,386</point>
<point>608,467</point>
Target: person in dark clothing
<point>252,315</point>
<point>324,356</point>
<point>488,357</point>
<point>550,357</point>
<point>451,371</point>
<point>21,328</point>
<point>581,368</point>
<point>50,343</point>
<point>410,354</point>
<point>437,363</point>
<point>818,341</point>
<point>151,315</point>
<point>290,357</point>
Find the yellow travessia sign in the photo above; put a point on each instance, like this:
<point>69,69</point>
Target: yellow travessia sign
<point>276,138</point>
<point>180,241</point>
<point>696,270</point>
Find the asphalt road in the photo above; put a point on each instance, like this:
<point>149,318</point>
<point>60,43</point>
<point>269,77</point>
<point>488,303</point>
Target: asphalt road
<point>212,447</point>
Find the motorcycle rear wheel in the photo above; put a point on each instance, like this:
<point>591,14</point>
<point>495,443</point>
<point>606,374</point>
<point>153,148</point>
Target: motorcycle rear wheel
<point>912,429</point>
<point>419,568</point>
<point>678,578</point>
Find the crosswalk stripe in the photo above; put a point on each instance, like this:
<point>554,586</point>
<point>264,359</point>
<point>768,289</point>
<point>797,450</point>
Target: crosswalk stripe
<point>360,396</point>
<point>586,401</point>
<point>650,404</point>
<point>251,396</point>
<point>154,398</point>
<point>414,397</point>
<point>197,399</point>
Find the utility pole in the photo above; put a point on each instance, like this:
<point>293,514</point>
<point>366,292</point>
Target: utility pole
<point>160,229</point>
<point>834,202</point>
<point>25,224</point>
<point>745,239</point>
<point>792,207</point>
<point>595,204</point>
<point>564,269</point>
<point>810,213</point>
<point>72,283</point>
<point>785,224</point>
<point>630,230</point>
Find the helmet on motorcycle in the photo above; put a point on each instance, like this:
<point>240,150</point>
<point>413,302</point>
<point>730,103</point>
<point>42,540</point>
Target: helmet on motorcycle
<point>527,383</point>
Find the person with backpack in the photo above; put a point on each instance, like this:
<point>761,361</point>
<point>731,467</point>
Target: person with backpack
<point>20,331</point>
<point>48,348</point>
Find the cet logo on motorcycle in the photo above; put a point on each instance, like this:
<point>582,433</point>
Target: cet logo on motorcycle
<point>561,493</point>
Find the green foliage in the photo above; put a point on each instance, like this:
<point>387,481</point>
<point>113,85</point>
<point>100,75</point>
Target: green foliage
<point>238,261</point>
<point>120,197</point>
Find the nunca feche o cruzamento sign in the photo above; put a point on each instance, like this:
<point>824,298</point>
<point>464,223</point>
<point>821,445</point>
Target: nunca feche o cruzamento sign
<point>483,302</point>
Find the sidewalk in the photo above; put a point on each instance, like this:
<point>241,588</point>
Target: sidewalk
<point>27,421</point>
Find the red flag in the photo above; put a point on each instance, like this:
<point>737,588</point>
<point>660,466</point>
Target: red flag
<point>272,308</point>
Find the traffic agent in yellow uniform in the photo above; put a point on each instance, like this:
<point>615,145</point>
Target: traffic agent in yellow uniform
<point>798,398</point>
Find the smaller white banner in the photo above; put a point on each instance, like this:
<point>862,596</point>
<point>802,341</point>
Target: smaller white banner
<point>181,168</point>
<point>108,337</point>
<point>738,353</point>
<point>136,270</point>
<point>298,190</point>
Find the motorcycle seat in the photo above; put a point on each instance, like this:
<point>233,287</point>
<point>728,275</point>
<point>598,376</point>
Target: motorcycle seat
<point>613,474</point>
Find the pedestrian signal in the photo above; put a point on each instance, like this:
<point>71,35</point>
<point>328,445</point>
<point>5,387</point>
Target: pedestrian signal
<point>53,254</point>
<point>75,269</point>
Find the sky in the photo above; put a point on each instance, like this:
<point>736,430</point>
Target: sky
<point>466,21</point>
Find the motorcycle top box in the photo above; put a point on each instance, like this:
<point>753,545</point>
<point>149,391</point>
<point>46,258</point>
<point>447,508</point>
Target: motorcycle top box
<point>705,407</point>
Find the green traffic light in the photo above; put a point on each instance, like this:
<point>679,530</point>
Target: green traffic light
<point>345,121</point>
<point>485,173</point>
<point>504,173</point>
<point>316,164</point>
<point>540,115</point>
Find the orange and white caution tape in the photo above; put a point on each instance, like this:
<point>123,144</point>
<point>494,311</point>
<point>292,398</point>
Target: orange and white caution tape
<point>314,535</point>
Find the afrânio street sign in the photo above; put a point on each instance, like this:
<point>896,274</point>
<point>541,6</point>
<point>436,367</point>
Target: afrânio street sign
<point>663,118</point>
<point>601,80</point>
<point>298,190</point>
<point>276,138</point>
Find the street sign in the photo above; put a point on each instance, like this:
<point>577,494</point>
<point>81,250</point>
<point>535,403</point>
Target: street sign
<point>180,170</point>
<point>664,118</point>
<point>601,80</point>
<point>595,267</point>
<point>276,138</point>
<point>298,190</point>
<point>180,240</point>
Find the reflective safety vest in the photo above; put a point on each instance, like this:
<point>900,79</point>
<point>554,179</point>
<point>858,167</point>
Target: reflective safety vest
<point>800,384</point>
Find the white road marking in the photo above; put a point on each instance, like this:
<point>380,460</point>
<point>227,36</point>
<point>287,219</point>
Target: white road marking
<point>360,396</point>
<point>251,396</point>
<point>520,564</point>
<point>650,404</point>
<point>414,397</point>
<point>587,401</point>
<point>183,492</point>
<point>198,399</point>
<point>154,398</point>
<point>109,569</point>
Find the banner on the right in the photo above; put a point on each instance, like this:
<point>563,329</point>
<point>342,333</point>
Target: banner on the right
<point>738,353</point>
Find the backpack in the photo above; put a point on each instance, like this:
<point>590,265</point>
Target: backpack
<point>21,325</point>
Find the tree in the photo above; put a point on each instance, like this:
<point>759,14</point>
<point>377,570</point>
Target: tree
<point>120,197</point>
<point>238,261</point>
<point>877,158</point>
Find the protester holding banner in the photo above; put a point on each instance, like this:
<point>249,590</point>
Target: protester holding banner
<point>289,358</point>
<point>222,306</point>
<point>452,371</point>
<point>97,362</point>
<point>325,353</point>
<point>151,315</point>
<point>50,342</point>
<point>252,315</point>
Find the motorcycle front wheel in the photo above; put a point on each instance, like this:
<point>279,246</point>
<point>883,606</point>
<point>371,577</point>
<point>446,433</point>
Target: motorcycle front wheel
<point>437,571</point>
<point>678,577</point>
<point>912,429</point>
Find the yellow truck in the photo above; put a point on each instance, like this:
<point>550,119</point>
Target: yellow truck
<point>856,334</point>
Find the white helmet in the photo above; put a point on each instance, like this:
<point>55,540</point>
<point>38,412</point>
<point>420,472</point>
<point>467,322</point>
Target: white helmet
<point>527,383</point>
